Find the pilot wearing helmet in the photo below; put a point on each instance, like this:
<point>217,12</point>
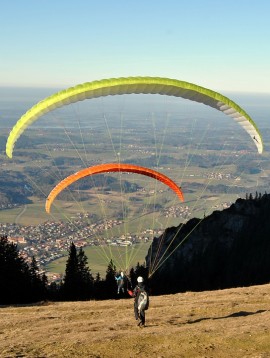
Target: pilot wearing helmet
<point>141,301</point>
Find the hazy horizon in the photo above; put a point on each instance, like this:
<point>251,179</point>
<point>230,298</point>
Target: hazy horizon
<point>15,101</point>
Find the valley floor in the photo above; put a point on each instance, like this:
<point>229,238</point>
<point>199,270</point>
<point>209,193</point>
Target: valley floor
<point>226,323</point>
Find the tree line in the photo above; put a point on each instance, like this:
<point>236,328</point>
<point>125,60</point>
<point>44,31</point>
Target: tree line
<point>22,282</point>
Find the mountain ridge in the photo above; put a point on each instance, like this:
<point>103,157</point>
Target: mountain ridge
<point>228,248</point>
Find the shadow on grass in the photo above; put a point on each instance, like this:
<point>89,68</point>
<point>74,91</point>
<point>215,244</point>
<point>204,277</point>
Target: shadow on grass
<point>33,304</point>
<point>235,314</point>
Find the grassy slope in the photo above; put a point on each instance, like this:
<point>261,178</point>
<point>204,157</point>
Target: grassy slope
<point>226,323</point>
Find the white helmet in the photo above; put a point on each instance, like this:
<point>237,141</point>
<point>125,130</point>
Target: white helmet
<point>122,274</point>
<point>140,279</point>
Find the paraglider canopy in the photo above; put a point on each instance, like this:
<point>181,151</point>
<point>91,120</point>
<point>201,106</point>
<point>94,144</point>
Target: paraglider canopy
<point>111,167</point>
<point>136,85</point>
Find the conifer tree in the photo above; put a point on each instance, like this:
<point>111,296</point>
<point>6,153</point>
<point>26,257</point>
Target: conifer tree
<point>34,270</point>
<point>111,271</point>
<point>70,285</point>
<point>98,278</point>
<point>38,281</point>
<point>110,282</point>
<point>141,270</point>
<point>85,276</point>
<point>132,277</point>
<point>78,281</point>
<point>98,287</point>
<point>15,275</point>
<point>83,266</point>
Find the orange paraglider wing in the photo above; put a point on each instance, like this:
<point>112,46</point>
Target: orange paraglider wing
<point>111,167</point>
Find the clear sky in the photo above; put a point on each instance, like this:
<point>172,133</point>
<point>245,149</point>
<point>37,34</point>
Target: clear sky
<point>222,45</point>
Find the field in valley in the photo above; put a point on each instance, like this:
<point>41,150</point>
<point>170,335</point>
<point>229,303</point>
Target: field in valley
<point>99,258</point>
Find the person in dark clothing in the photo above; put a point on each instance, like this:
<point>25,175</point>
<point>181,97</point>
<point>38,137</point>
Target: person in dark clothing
<point>141,301</point>
<point>120,280</point>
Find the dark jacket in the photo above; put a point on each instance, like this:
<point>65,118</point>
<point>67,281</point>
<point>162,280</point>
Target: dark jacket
<point>141,288</point>
<point>137,290</point>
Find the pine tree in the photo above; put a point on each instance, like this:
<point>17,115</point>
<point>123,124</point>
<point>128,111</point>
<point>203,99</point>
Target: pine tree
<point>15,275</point>
<point>141,270</point>
<point>132,277</point>
<point>38,281</point>
<point>71,279</point>
<point>98,287</point>
<point>110,282</point>
<point>85,276</point>
<point>34,271</point>
<point>78,281</point>
<point>98,278</point>
<point>111,271</point>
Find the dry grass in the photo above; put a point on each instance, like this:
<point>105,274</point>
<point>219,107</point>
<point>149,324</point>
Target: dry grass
<point>226,323</point>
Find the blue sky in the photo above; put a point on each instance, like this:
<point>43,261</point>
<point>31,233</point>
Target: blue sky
<point>222,45</point>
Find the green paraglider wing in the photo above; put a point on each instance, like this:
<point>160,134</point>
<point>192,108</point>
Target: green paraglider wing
<point>136,85</point>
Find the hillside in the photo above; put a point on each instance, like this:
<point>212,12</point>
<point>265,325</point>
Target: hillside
<point>225,323</point>
<point>229,248</point>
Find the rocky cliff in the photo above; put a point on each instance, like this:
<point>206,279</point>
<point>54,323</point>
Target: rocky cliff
<point>229,248</point>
